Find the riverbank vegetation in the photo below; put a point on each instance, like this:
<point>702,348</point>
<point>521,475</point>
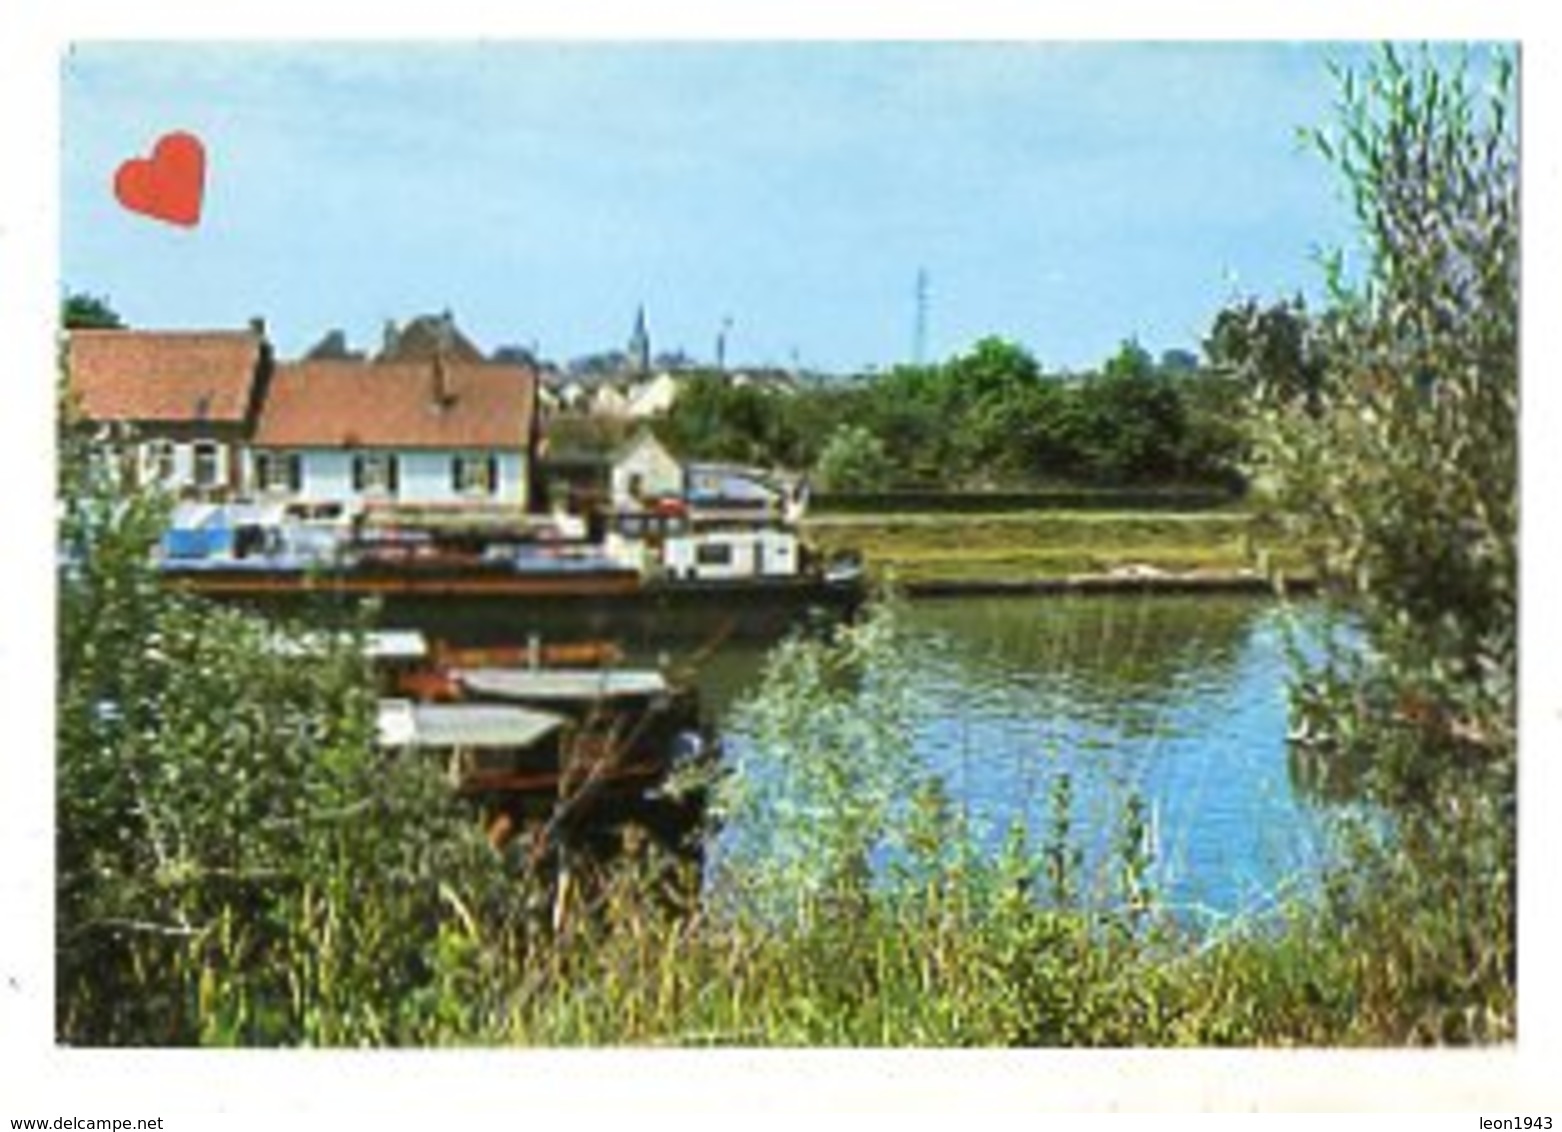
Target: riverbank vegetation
<point>238,863</point>
<point>986,419</point>
<point>1030,545</point>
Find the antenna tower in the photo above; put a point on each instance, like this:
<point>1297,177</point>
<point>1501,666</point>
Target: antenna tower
<point>919,329</point>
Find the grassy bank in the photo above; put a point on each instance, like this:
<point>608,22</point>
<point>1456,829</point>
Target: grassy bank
<point>965,959</point>
<point>1028,545</point>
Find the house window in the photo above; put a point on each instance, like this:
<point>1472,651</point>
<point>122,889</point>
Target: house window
<point>158,461</point>
<point>375,473</point>
<point>206,471</point>
<point>278,471</point>
<point>474,475</point>
<point>713,554</point>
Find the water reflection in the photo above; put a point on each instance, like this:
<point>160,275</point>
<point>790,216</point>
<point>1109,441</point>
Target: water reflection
<point>1178,700</point>
<point>1123,659</point>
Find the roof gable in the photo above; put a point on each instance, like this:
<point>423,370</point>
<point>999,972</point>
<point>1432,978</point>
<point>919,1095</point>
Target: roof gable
<point>427,337</point>
<point>334,404</point>
<point>646,444</point>
<point>166,377</point>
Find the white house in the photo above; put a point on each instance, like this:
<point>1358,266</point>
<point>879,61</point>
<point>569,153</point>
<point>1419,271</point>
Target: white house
<point>609,401</point>
<point>388,433</point>
<point>653,398</point>
<point>185,401</point>
<point>643,469</point>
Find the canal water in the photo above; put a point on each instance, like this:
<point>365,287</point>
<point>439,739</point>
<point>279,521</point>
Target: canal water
<point>1179,701</point>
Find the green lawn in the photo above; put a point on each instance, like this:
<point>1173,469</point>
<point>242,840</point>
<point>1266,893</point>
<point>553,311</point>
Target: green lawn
<point>1049,544</point>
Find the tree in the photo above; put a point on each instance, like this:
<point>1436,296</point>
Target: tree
<point>1405,473</point>
<point>715,419</point>
<point>1214,446</point>
<point>1409,474</point>
<point>80,311</point>
<point>853,459</point>
<point>992,370</point>
<point>1276,352</point>
<point>907,409</point>
<point>1126,423</point>
<point>992,392</point>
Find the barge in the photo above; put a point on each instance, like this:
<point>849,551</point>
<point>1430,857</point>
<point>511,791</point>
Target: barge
<point>640,582</point>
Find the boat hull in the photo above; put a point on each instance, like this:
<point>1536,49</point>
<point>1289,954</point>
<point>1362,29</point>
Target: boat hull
<point>479,608</point>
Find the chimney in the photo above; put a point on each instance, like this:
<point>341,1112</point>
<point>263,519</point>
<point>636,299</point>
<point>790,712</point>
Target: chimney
<point>444,394</point>
<point>389,339</point>
<point>265,365</point>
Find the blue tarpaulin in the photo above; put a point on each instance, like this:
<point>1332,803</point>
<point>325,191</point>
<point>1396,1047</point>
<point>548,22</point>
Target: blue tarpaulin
<point>210,535</point>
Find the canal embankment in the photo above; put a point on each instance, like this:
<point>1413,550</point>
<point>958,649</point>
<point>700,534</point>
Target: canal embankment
<point>936,553</point>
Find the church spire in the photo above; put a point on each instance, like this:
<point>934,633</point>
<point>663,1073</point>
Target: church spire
<point>640,344</point>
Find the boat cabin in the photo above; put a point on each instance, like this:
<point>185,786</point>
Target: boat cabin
<point>729,555</point>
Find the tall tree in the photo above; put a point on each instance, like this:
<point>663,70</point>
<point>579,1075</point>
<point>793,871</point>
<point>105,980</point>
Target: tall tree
<point>81,311</point>
<point>1407,477</point>
<point>1276,351</point>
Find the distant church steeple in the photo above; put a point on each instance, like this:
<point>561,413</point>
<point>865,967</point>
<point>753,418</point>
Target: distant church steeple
<point>640,344</point>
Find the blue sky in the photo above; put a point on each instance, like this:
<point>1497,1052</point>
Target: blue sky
<point>1066,196</point>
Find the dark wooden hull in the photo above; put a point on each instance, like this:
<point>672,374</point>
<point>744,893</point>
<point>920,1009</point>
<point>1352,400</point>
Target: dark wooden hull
<point>484,607</point>
<point>409,581</point>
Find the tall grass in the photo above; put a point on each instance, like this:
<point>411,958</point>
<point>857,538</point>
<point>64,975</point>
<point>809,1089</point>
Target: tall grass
<point>868,913</point>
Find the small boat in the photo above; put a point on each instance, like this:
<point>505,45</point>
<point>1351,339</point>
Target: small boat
<point>427,674</point>
<point>500,748</point>
<point>551,771</point>
<point>524,735</point>
<point>564,687</point>
<point>536,653</point>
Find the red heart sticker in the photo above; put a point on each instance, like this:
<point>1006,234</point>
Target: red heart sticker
<point>169,184</point>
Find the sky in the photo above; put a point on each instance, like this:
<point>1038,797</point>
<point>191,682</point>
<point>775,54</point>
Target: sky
<point>1067,196</point>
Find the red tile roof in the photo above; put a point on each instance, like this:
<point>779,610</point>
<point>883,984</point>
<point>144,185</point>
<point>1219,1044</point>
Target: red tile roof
<point>163,376</point>
<point>395,405</point>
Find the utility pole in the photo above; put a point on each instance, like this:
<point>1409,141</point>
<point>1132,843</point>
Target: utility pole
<point>721,345</point>
<point>919,326</point>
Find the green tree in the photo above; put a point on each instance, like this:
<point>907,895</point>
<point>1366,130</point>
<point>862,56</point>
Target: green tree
<point>906,409</point>
<point>1214,445</point>
<point>1275,351</point>
<point>1406,475</point>
<point>991,371</point>
<point>853,459</point>
<point>714,419</point>
<point>1409,478</point>
<point>80,311</point>
<point>1126,423</point>
<point>993,396</point>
